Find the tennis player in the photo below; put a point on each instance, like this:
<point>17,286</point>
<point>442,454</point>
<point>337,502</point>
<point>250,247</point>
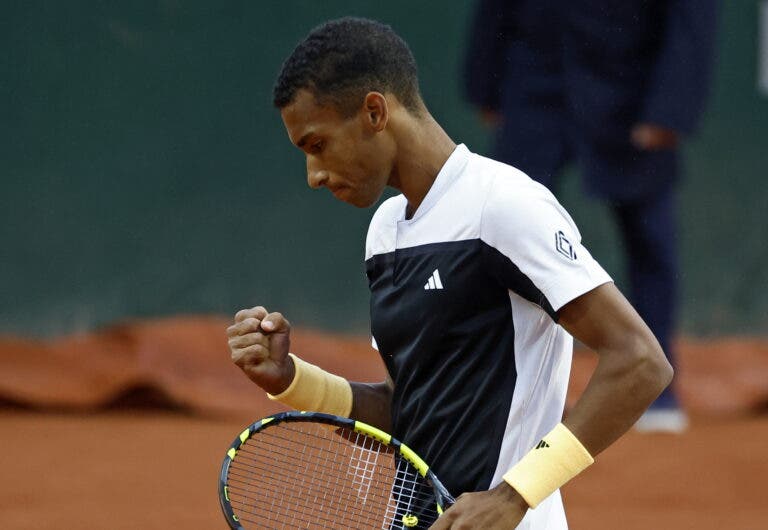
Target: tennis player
<point>479,281</point>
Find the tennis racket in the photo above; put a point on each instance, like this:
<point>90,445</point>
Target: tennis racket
<point>315,470</point>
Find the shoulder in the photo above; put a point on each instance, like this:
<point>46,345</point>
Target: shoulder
<point>495,175</point>
<point>514,199</point>
<point>520,214</point>
<point>523,222</point>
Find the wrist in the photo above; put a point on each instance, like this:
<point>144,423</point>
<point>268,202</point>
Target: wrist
<point>285,380</point>
<point>312,388</point>
<point>557,458</point>
<point>511,496</point>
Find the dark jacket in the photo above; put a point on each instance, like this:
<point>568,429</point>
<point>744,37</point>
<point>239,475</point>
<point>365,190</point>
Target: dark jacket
<point>584,72</point>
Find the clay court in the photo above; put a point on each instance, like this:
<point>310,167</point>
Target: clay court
<point>127,428</point>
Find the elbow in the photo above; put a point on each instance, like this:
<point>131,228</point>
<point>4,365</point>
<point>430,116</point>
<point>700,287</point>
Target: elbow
<point>665,373</point>
<point>642,365</point>
<point>653,368</point>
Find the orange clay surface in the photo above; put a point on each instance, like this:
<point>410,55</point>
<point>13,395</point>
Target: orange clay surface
<point>147,470</point>
<point>127,428</point>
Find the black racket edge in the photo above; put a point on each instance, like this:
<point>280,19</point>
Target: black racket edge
<point>442,497</point>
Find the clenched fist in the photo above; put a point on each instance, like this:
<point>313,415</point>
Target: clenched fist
<point>259,342</point>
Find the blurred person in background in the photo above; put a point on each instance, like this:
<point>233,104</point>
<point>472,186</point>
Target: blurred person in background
<point>613,87</point>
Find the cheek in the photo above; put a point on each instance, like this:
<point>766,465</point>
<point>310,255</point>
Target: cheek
<point>375,164</point>
<point>363,161</point>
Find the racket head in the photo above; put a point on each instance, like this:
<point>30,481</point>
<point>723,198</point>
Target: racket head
<point>314,470</point>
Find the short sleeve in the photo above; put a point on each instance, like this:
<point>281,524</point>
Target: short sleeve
<point>538,243</point>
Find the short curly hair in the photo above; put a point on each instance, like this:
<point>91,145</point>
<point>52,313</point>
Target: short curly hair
<point>342,60</point>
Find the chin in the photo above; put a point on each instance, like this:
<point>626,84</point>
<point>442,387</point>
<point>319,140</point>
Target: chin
<point>360,201</point>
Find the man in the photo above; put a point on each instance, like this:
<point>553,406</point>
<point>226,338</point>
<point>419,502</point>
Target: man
<point>612,86</point>
<point>478,281</point>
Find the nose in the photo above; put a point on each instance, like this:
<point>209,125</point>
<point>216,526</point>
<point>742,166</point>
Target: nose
<point>316,177</point>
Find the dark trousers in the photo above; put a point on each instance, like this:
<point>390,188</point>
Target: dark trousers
<point>649,232</point>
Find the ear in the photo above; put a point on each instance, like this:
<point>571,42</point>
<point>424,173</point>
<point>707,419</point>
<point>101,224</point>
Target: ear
<point>375,111</point>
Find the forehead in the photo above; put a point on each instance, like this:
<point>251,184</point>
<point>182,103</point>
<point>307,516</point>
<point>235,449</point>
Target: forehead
<point>304,115</point>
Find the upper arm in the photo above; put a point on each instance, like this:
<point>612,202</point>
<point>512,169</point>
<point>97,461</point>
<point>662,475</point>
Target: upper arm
<point>372,402</point>
<point>603,320</point>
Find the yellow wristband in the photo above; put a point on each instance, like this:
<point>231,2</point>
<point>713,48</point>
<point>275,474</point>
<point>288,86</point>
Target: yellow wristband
<point>555,460</point>
<point>316,390</point>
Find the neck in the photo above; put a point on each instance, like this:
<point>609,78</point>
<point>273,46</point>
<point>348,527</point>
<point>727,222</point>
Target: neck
<point>423,147</point>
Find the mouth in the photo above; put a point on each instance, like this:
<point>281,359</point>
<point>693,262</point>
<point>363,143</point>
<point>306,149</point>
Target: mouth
<point>338,191</point>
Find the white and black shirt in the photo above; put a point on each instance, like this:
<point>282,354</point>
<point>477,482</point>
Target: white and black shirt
<point>464,302</point>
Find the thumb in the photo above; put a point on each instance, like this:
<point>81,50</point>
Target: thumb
<point>275,323</point>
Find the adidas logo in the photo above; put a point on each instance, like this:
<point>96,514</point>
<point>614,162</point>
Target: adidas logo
<point>541,444</point>
<point>434,281</point>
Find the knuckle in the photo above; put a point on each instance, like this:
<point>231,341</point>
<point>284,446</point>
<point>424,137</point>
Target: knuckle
<point>279,317</point>
<point>249,340</point>
<point>256,353</point>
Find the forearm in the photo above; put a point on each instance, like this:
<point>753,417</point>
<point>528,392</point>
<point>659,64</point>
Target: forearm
<point>371,404</point>
<point>624,384</point>
<point>631,372</point>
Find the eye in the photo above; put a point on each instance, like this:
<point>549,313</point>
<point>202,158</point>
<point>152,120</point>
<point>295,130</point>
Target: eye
<point>316,147</point>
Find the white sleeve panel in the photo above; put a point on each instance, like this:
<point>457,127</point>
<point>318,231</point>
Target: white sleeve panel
<point>524,221</point>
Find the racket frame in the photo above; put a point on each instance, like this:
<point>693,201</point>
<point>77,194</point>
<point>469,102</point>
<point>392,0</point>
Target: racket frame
<point>443,498</point>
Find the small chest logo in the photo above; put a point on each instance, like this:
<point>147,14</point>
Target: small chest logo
<point>434,281</point>
<point>563,246</point>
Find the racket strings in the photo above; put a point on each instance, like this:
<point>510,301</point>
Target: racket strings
<point>304,475</point>
<point>304,501</point>
<point>305,494</point>
<point>410,494</point>
<point>398,491</point>
<point>405,498</point>
<point>268,488</point>
<point>362,470</point>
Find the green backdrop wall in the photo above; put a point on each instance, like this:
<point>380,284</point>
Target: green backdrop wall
<point>144,171</point>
